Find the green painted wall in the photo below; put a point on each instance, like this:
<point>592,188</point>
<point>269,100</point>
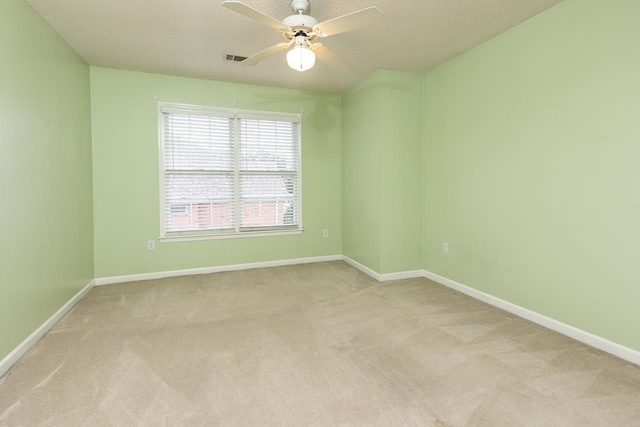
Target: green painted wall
<point>401,171</point>
<point>382,191</point>
<point>45,178</point>
<point>531,170</point>
<point>125,164</point>
<point>361,173</point>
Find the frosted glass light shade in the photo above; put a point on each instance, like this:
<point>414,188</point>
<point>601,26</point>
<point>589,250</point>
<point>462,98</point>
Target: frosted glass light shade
<point>301,58</point>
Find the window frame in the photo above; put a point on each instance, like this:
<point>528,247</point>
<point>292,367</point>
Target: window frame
<point>237,114</point>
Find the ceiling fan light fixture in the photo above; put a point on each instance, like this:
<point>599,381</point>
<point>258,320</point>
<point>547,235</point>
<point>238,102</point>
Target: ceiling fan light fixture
<point>301,58</point>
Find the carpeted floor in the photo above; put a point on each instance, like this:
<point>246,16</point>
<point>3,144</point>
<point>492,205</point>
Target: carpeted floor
<point>316,344</point>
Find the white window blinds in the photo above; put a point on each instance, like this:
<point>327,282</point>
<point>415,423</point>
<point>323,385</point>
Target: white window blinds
<point>268,173</point>
<point>225,172</point>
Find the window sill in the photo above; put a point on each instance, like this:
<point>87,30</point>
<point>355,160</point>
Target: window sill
<point>243,235</point>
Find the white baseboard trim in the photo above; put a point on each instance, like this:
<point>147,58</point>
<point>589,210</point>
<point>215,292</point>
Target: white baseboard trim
<point>366,270</point>
<point>383,277</point>
<point>585,337</point>
<point>208,270</point>
<point>22,348</point>
<point>401,275</point>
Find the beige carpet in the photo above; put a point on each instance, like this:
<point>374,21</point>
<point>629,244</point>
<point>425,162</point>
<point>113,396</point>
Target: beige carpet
<point>318,344</point>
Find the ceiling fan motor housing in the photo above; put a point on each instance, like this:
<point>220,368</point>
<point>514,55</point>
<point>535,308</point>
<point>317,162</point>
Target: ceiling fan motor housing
<point>297,23</point>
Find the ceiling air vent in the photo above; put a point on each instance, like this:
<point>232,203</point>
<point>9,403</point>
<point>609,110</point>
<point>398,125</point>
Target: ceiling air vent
<point>234,58</point>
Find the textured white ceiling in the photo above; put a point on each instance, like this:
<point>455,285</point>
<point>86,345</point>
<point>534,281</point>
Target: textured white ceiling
<point>189,37</point>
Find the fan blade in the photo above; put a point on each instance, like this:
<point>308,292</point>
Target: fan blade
<point>330,58</point>
<point>252,13</point>
<point>252,60</point>
<point>351,21</point>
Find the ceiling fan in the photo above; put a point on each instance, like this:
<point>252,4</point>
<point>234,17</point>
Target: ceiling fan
<point>301,30</point>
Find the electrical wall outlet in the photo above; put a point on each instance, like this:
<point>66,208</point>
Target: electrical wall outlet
<point>325,232</point>
<point>151,245</point>
<point>445,247</point>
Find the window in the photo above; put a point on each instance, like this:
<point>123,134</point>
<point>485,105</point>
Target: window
<point>228,173</point>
